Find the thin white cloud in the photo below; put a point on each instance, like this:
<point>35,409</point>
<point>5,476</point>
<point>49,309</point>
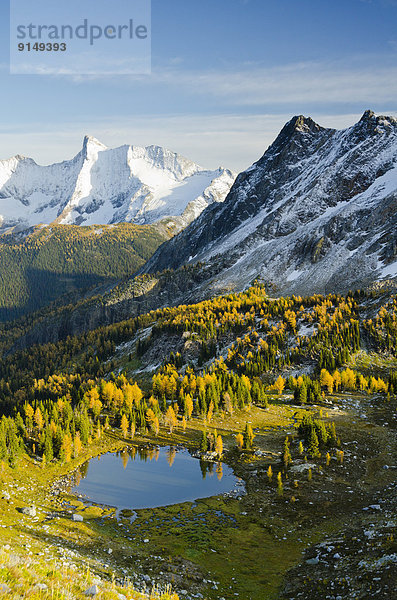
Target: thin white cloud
<point>312,82</point>
<point>99,66</point>
<point>363,80</point>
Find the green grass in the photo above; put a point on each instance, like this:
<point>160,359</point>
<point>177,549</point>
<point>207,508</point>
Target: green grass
<point>184,532</point>
<point>245,546</point>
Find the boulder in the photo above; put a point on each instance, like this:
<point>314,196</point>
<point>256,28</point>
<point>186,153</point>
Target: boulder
<point>13,560</point>
<point>78,518</point>
<point>41,586</point>
<point>29,510</point>
<point>92,591</point>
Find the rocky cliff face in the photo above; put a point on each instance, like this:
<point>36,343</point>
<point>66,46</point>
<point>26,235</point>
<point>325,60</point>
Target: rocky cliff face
<point>317,213</point>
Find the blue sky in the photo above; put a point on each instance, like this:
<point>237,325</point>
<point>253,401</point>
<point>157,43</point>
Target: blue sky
<point>226,75</point>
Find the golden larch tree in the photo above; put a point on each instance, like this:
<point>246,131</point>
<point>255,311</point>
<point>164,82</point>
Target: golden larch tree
<point>219,446</point>
<point>77,444</point>
<point>124,425</point>
<point>239,441</point>
<point>170,419</point>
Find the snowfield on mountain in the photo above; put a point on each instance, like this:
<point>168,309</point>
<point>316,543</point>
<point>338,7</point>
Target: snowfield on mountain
<point>106,186</point>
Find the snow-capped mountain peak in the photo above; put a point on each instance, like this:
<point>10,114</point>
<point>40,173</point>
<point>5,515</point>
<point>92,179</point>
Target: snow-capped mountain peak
<point>102,185</point>
<point>318,211</point>
<point>91,146</point>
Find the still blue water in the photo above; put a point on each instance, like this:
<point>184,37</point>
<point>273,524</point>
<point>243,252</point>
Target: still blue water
<point>146,478</point>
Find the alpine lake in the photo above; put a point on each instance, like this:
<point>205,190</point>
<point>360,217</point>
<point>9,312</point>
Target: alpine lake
<point>149,477</point>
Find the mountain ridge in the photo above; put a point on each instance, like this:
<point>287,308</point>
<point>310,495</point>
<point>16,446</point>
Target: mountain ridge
<point>102,186</point>
<point>288,216</point>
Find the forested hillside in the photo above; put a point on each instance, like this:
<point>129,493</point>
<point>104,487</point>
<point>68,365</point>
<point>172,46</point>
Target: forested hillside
<point>282,389</point>
<point>249,335</point>
<point>38,268</point>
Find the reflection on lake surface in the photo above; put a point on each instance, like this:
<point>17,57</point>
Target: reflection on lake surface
<point>150,477</point>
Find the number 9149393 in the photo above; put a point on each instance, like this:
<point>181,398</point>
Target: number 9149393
<point>42,47</point>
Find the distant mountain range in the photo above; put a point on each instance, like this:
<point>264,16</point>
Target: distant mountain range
<point>107,186</point>
<point>317,213</point>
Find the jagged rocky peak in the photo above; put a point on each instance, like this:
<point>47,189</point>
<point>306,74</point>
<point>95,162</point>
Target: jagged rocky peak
<point>317,211</point>
<point>102,185</point>
<point>90,143</point>
<point>297,126</point>
<point>367,116</point>
<point>372,124</point>
<point>299,136</point>
<point>370,117</point>
<point>303,124</point>
<point>20,158</point>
